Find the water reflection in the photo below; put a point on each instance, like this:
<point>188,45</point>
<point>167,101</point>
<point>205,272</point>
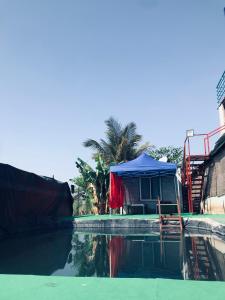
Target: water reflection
<point>39,254</point>
<point>89,255</point>
<point>151,256</point>
<point>146,256</point>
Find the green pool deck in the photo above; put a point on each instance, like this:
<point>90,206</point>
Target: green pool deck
<point>16,287</point>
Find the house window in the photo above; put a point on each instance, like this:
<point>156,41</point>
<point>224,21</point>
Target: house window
<point>149,188</point>
<point>155,190</point>
<point>168,189</point>
<point>145,188</point>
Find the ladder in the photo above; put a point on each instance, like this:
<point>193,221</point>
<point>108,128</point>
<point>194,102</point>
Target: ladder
<point>171,237</point>
<point>166,219</point>
<point>194,181</point>
<point>200,262</point>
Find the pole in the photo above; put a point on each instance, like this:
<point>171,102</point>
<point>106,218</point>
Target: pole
<point>110,192</point>
<point>110,258</point>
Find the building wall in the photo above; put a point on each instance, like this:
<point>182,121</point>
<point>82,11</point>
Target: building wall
<point>221,111</point>
<point>214,180</point>
<point>132,193</point>
<point>214,190</point>
<point>168,192</point>
<point>215,205</point>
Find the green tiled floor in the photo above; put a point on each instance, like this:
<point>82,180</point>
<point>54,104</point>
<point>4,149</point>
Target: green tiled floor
<point>69,288</point>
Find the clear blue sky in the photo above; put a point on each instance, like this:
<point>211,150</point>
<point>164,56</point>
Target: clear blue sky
<point>67,65</point>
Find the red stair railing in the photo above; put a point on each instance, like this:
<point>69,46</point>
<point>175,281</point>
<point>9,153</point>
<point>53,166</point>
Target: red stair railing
<point>189,157</point>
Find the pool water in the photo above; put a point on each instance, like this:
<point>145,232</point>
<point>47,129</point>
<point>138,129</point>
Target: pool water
<point>67,253</point>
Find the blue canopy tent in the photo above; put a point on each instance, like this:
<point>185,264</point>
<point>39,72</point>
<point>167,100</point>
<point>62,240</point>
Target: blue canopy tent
<point>144,165</point>
<point>141,181</point>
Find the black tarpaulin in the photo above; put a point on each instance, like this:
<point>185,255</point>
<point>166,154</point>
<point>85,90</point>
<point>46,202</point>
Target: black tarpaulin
<point>26,198</point>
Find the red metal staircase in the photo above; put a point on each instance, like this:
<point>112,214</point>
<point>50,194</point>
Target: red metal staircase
<point>193,170</point>
<point>194,179</point>
<point>201,264</point>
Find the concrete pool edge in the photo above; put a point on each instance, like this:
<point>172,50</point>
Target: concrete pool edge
<point>22,287</point>
<point>199,223</point>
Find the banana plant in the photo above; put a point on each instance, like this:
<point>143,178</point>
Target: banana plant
<point>96,180</point>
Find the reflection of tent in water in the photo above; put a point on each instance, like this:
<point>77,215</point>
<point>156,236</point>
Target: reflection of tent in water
<point>27,199</point>
<point>146,257</point>
<point>116,249</point>
<point>171,256</point>
<point>37,254</point>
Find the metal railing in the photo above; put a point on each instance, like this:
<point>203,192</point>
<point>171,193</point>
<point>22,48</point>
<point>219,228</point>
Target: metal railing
<point>220,89</point>
<point>186,167</point>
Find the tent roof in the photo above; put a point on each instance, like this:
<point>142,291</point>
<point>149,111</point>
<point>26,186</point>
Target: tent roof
<point>144,165</point>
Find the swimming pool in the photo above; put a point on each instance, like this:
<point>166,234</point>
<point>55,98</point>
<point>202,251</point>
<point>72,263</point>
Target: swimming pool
<point>70,253</point>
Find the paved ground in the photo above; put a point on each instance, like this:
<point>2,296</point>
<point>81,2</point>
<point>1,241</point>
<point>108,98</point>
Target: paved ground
<point>14,287</point>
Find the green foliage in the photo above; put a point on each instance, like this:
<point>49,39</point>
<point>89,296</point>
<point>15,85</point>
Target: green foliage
<point>93,184</point>
<point>83,198</point>
<point>173,154</point>
<point>121,143</point>
<point>90,256</point>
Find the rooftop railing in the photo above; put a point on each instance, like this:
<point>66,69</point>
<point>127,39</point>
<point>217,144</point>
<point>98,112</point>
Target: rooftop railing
<point>220,89</point>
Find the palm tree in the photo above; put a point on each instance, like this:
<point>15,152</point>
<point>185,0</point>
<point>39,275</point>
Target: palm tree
<point>121,143</point>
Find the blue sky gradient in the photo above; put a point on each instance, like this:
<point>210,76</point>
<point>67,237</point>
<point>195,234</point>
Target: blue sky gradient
<point>67,65</point>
